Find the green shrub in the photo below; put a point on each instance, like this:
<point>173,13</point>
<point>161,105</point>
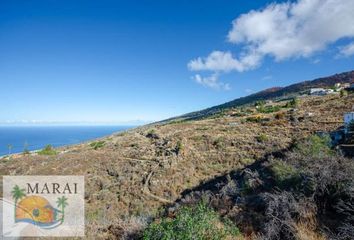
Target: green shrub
<point>285,175</point>
<point>47,150</point>
<point>179,147</point>
<point>176,121</point>
<point>247,161</point>
<point>316,146</point>
<point>262,138</point>
<point>97,145</point>
<point>26,151</point>
<point>260,103</point>
<point>293,103</point>
<point>198,222</point>
<point>254,119</point>
<point>269,109</point>
<point>219,143</point>
<point>343,93</point>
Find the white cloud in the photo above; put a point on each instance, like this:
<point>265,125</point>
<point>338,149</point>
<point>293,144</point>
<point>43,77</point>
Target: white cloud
<point>211,81</point>
<point>347,50</point>
<point>282,31</point>
<point>297,29</point>
<point>268,77</point>
<point>224,62</point>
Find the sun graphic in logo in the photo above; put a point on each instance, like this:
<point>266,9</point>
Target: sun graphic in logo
<point>37,210</point>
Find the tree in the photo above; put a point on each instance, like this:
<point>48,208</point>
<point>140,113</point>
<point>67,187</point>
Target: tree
<point>62,203</point>
<point>17,193</point>
<point>9,146</point>
<point>343,93</point>
<point>25,149</point>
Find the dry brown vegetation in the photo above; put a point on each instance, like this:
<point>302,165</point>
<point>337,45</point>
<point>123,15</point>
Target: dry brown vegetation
<point>134,173</point>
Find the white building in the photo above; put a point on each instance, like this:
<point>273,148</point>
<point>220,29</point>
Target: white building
<point>317,91</point>
<point>346,85</point>
<point>337,85</point>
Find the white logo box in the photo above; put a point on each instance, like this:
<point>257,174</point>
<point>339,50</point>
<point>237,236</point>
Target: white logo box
<point>43,206</point>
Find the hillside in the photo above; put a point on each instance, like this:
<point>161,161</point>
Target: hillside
<point>129,176</point>
<point>273,93</point>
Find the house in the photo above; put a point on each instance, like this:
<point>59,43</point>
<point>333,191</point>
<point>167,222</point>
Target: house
<point>346,85</point>
<point>317,91</point>
<point>329,91</point>
<point>338,85</point>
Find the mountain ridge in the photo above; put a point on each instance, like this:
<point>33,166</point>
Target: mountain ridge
<point>271,93</point>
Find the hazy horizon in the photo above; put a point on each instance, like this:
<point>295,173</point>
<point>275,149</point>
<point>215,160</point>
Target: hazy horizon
<point>123,61</point>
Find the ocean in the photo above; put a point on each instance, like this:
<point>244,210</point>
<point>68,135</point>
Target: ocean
<point>37,137</point>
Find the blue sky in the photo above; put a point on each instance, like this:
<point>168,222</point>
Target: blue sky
<point>123,61</point>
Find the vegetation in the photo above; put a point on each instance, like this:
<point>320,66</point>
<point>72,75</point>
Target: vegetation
<point>219,143</point>
<point>179,147</point>
<point>256,119</point>
<point>262,138</point>
<point>284,174</point>
<point>343,93</point>
<point>269,109</point>
<point>9,146</point>
<point>292,195</point>
<point>97,145</point>
<point>198,222</point>
<point>279,115</point>
<point>26,151</point>
<point>316,146</point>
<point>47,150</point>
<point>293,103</point>
<point>152,134</point>
<point>282,197</point>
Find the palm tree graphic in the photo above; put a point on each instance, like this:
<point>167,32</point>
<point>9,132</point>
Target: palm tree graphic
<point>62,203</point>
<point>17,193</point>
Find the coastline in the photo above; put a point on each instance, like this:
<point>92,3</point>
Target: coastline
<point>59,147</point>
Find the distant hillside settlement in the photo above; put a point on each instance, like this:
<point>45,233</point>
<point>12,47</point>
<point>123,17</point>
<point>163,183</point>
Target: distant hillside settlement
<point>337,88</point>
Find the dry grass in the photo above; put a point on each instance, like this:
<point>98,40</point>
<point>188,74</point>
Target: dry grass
<point>134,174</point>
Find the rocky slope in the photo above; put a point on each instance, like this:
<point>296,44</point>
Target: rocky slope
<point>130,175</point>
<point>275,92</point>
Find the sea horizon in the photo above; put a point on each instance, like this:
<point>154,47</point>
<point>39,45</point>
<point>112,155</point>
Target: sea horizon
<point>34,137</point>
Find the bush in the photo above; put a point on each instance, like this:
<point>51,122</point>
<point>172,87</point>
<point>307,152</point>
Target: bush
<point>179,147</point>
<point>284,174</point>
<point>26,151</point>
<point>262,138</point>
<point>198,222</point>
<point>47,150</point>
<point>152,134</point>
<point>219,143</point>
<point>316,146</point>
<point>293,103</point>
<point>269,109</point>
<point>97,145</point>
<point>343,93</point>
<point>279,115</point>
<point>256,119</point>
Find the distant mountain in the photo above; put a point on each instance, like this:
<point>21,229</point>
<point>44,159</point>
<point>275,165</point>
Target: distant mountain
<point>272,93</point>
